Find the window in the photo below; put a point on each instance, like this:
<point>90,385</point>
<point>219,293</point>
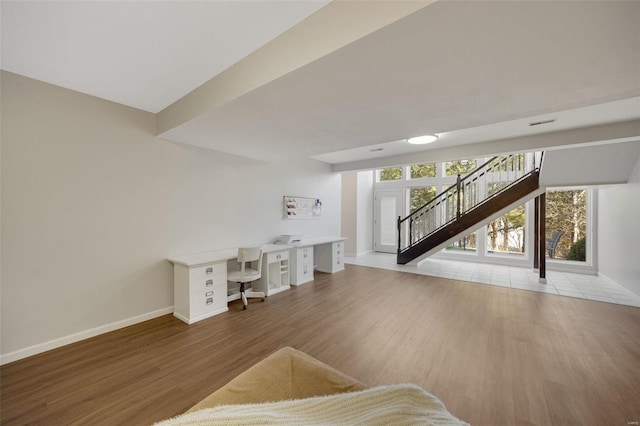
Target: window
<point>512,163</point>
<point>392,173</point>
<point>422,171</point>
<point>460,167</point>
<point>566,211</point>
<point>494,187</point>
<point>467,243</point>
<point>420,196</point>
<point>506,233</point>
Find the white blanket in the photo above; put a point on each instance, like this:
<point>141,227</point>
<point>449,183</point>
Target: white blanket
<point>383,405</point>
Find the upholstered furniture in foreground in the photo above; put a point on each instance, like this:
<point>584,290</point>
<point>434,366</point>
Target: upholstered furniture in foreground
<point>291,387</point>
<point>285,374</point>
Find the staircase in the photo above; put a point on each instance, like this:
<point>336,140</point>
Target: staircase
<point>475,199</point>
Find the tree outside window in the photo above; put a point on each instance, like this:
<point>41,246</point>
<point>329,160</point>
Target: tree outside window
<point>392,173</point>
<point>423,171</point>
<point>420,196</point>
<point>513,162</point>
<point>567,211</point>
<point>506,233</point>
<point>460,167</point>
<point>467,243</point>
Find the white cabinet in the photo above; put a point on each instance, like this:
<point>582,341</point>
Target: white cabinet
<point>301,265</point>
<point>330,257</point>
<point>199,291</point>
<point>275,272</point>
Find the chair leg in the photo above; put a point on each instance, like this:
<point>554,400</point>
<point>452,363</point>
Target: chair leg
<point>243,296</point>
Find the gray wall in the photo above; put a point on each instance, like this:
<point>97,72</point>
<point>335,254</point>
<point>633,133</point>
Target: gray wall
<point>93,204</point>
<point>357,212</point>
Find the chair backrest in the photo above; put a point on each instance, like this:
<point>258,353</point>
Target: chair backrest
<point>553,241</point>
<point>247,255</point>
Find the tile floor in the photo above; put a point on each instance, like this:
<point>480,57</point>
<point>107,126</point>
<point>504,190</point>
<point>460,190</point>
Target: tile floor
<point>581,286</point>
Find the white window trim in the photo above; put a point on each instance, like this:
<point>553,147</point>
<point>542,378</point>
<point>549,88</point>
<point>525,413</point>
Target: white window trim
<point>480,255</point>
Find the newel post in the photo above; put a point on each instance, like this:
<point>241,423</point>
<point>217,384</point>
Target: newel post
<point>399,221</point>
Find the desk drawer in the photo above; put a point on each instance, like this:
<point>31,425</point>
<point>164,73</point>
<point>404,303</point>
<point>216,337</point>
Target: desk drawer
<point>207,301</point>
<point>207,283</point>
<point>203,273</point>
<point>278,256</point>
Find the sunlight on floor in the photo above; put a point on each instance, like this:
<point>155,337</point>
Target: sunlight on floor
<point>590,287</point>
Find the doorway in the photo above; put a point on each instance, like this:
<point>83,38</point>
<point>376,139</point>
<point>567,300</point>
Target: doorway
<point>388,206</point>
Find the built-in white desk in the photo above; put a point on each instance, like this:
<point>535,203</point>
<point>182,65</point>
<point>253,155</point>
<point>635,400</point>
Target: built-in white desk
<point>326,254</point>
<point>200,279</point>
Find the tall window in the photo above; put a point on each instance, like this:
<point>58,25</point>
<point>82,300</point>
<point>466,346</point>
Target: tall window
<point>566,211</point>
<point>506,233</point>
<point>420,196</point>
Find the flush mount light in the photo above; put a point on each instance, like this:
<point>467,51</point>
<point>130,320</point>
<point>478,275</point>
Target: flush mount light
<point>421,140</point>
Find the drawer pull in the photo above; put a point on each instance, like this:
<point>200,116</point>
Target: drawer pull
<point>209,283</point>
<point>209,271</point>
<point>209,293</point>
<point>210,301</point>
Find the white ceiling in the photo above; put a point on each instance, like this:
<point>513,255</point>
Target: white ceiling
<point>470,71</point>
<point>610,112</point>
<point>144,54</point>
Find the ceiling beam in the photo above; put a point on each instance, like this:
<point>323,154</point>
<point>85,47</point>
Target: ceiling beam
<point>336,25</point>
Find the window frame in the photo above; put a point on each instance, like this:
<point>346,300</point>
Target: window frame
<point>442,182</point>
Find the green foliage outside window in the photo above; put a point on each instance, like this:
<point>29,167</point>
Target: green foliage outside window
<point>392,173</point>
<point>578,250</point>
<point>423,170</point>
<point>567,211</point>
<point>460,167</point>
<point>421,196</point>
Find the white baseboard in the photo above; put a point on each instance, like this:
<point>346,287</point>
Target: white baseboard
<point>76,337</point>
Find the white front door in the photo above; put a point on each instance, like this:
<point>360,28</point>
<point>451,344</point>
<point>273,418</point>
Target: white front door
<point>388,206</point>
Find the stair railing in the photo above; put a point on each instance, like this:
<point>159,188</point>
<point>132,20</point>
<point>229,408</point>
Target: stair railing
<point>479,185</point>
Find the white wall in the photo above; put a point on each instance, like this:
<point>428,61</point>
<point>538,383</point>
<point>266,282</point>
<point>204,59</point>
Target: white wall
<point>365,212</point>
<point>349,224</point>
<point>357,212</point>
<point>93,204</point>
<point>619,232</point>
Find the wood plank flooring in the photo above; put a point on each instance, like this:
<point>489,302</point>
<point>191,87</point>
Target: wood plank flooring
<point>493,355</point>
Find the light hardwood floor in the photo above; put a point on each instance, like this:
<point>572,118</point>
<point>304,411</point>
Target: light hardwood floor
<point>494,356</point>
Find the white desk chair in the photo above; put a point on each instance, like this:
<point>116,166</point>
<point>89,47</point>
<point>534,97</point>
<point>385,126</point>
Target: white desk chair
<point>246,274</point>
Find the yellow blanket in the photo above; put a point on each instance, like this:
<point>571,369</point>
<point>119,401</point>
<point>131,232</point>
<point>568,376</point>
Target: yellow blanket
<point>384,405</point>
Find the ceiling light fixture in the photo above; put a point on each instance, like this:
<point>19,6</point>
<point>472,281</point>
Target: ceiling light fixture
<point>421,140</point>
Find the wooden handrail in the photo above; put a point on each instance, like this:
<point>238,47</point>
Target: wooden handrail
<point>458,189</point>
